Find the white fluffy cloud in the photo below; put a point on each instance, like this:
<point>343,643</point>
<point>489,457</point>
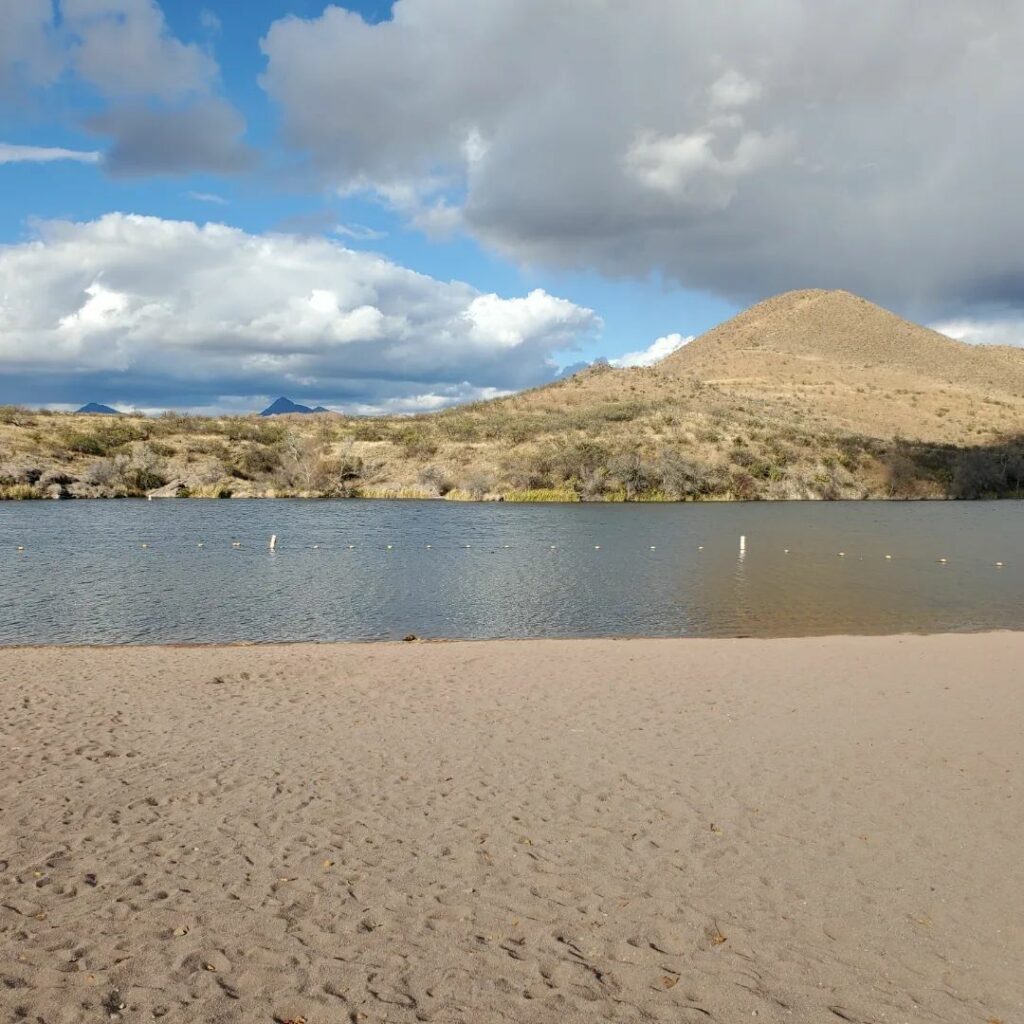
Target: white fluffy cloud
<point>654,352</point>
<point>996,331</point>
<point>11,154</point>
<point>163,311</point>
<point>744,148</point>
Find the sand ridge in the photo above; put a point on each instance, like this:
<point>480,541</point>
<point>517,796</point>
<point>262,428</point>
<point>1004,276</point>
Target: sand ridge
<point>643,830</point>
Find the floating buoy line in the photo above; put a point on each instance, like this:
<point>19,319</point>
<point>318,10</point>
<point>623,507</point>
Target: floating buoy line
<point>272,546</point>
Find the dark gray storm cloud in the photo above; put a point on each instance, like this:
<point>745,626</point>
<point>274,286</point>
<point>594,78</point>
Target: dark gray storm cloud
<point>163,115</point>
<point>204,136</point>
<point>742,148</point>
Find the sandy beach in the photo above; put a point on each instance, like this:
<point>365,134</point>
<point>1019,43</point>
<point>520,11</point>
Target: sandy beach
<point>551,831</point>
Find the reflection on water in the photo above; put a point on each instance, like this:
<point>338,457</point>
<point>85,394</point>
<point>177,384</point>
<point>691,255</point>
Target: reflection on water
<point>361,570</point>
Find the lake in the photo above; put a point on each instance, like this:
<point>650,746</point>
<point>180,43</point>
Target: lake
<point>99,572</point>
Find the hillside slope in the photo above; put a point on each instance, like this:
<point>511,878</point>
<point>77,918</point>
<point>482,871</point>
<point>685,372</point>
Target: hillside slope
<point>808,395</point>
<point>844,335</point>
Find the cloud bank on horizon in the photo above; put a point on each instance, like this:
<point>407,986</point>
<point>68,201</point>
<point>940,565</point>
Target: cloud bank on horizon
<point>654,353</point>
<point>737,150</point>
<point>165,313</point>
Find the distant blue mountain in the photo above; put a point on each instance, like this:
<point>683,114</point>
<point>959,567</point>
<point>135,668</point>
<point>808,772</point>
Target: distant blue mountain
<point>284,406</point>
<point>102,410</point>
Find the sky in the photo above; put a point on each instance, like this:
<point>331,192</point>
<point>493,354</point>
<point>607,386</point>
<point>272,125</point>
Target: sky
<point>397,207</point>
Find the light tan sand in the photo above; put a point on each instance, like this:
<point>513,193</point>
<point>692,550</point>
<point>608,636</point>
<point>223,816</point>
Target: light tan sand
<point>796,830</point>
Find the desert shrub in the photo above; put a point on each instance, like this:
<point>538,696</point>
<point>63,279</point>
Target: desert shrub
<point>170,422</point>
<point>743,486</point>
<point>259,431</point>
<point>526,470</point>
<point>369,430</point>
<point>680,478</point>
<point>125,474</point>
<point>104,473</point>
<point>579,460</point>
<point>12,474</point>
<point>350,466</point>
<point>980,473</point>
<point>301,461</point>
<point>741,456</point>
<point>55,476</point>
<point>900,476</point>
<point>511,428</point>
<point>257,460</point>
<point>765,469</point>
<point>478,483</point>
<point>634,473</point>
<point>85,444</point>
<point>139,479</point>
<point>436,480</point>
<point>16,416</point>
<point>104,440</point>
<point>594,486</point>
<point>620,412</point>
<point>415,442</point>
<point>457,427</point>
<point>210,446</point>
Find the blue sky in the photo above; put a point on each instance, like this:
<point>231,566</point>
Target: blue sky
<point>593,185</point>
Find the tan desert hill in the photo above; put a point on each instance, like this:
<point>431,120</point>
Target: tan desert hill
<point>832,361</point>
<point>844,336</point>
<point>812,394</point>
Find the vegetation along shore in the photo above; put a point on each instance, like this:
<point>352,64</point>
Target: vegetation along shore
<point>810,395</point>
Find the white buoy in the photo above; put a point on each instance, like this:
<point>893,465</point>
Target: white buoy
<point>199,544</point>
<point>145,545</point>
<point>889,557</point>
<point>999,565</point>
<point>552,547</point>
<point>653,548</point>
<point>273,541</point>
<point>390,546</point>
<point>942,561</point>
<point>351,547</point>
<point>21,547</point>
<point>430,545</point>
<point>700,547</point>
<point>597,547</point>
<point>785,551</point>
<point>842,554</point>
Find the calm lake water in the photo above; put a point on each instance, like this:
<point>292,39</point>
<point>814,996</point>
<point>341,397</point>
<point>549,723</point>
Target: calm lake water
<point>493,570</point>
